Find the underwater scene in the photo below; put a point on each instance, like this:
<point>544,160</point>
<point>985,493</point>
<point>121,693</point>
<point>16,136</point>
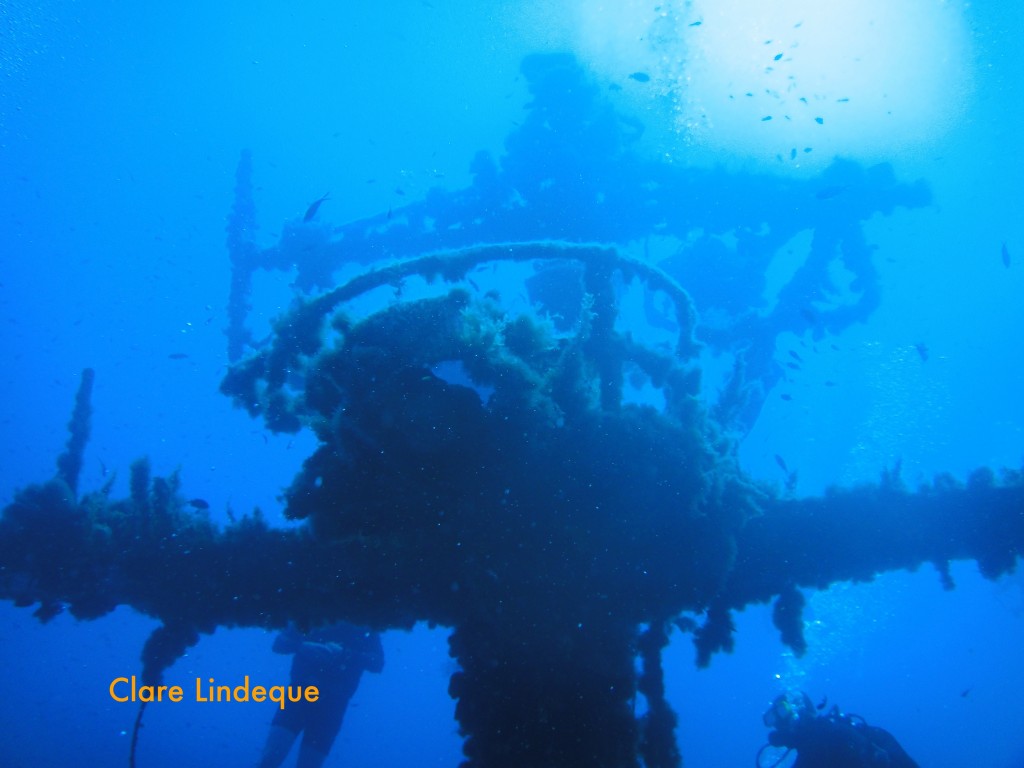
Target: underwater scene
<point>512,384</point>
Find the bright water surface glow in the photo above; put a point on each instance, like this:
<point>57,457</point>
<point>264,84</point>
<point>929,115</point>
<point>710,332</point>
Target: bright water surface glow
<point>800,81</point>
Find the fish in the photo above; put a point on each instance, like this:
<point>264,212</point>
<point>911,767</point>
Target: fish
<point>819,120</point>
<point>199,503</point>
<point>695,23</point>
<point>792,366</point>
<point>640,77</point>
<point>313,208</point>
<point>823,703</point>
<point>830,383</point>
<point>793,353</point>
<point>782,463</point>
<point>922,350</point>
<point>177,356</point>
<point>785,396</point>
<point>1006,256</point>
<point>766,118</point>
<point>777,57</point>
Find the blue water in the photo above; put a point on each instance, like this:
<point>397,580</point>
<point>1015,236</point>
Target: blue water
<point>120,129</point>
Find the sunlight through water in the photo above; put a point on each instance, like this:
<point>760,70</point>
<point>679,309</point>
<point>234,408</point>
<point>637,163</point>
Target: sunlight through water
<point>796,82</point>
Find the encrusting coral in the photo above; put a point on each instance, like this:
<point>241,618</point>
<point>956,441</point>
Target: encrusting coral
<point>511,448</point>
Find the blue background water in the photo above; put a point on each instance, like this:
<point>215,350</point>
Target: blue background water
<point>120,128</point>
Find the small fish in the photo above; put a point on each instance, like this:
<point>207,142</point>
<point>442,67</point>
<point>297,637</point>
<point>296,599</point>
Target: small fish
<point>766,118</point>
<point>199,503</point>
<point>313,208</point>
<point>841,101</point>
<point>793,366</point>
<point>177,356</point>
<point>782,463</point>
<point>795,355</point>
<point>640,77</point>
<point>830,383</point>
<point>823,703</point>
<point>922,350</point>
<point>1006,256</point>
<point>819,120</point>
<point>786,397</point>
<point>792,154</point>
<point>777,57</point>
<point>231,515</point>
<point>695,23</point>
<point>965,691</point>
<point>103,468</point>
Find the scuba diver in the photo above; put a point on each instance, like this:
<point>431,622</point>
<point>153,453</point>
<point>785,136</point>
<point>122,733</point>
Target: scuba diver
<point>333,658</point>
<point>833,740</point>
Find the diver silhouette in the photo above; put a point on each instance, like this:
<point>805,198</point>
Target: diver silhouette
<point>833,740</point>
<point>333,658</point>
